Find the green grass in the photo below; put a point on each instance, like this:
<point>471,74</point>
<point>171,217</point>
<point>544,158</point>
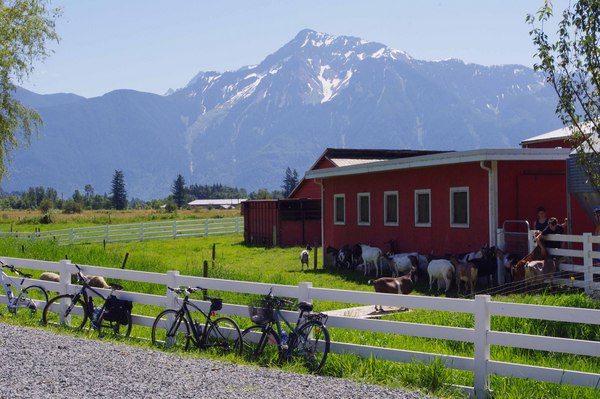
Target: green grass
<point>281,266</point>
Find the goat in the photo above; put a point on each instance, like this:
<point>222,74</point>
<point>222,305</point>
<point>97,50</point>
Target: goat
<point>370,256</point>
<point>344,258</point>
<point>487,265</point>
<point>356,254</point>
<point>330,260</point>
<point>94,281</point>
<point>440,269</point>
<point>399,264</point>
<point>517,271</point>
<point>394,285</point>
<point>305,257</point>
<point>465,272</point>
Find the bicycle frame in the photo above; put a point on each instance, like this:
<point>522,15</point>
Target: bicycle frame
<point>198,337</point>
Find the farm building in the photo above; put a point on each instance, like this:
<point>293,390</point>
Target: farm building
<point>217,203</point>
<point>297,219</point>
<point>447,202</point>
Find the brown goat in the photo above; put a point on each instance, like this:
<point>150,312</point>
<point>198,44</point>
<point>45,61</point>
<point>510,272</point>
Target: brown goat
<point>465,272</point>
<point>95,281</point>
<point>394,285</point>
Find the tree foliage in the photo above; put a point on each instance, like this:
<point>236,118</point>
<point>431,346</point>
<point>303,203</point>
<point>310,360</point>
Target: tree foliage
<point>571,64</point>
<point>26,26</point>
<point>118,192</point>
<point>178,191</point>
<point>290,181</point>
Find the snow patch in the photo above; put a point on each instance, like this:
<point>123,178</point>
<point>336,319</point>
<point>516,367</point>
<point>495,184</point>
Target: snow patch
<point>332,86</point>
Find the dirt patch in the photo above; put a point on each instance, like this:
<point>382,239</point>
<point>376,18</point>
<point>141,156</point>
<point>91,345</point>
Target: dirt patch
<point>365,312</point>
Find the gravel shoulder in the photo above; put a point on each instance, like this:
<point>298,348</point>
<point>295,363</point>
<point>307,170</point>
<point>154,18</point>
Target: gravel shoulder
<point>40,364</point>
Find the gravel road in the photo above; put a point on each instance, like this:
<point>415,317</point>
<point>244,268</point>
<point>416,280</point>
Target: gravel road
<point>40,364</point>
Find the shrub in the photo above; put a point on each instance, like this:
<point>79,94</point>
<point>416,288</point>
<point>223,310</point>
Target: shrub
<point>71,206</point>
<point>171,206</point>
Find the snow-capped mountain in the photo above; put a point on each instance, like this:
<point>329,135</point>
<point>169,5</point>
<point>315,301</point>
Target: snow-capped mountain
<point>245,127</point>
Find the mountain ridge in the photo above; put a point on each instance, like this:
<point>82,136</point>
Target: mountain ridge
<point>244,127</point>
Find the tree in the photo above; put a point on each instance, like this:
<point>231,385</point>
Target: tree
<point>25,28</point>
<point>178,190</point>
<point>290,181</point>
<point>118,194</point>
<point>571,65</point>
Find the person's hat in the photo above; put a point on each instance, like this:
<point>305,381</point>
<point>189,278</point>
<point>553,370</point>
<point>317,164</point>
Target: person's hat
<point>597,209</point>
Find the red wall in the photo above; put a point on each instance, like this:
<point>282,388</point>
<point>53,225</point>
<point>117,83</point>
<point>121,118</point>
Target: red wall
<point>439,238</point>
<point>299,232</point>
<point>523,186</point>
<point>259,219</point>
<point>307,189</point>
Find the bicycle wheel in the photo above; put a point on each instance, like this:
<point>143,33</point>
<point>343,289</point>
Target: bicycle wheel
<point>32,298</point>
<point>170,331</point>
<point>66,311</point>
<point>259,343</point>
<point>224,336</point>
<point>312,344</point>
<point>116,328</point>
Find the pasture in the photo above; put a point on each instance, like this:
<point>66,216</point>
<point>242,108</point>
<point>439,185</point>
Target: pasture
<point>282,266</point>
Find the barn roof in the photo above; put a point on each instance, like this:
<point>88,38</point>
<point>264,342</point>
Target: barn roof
<point>559,134</point>
<point>444,158</point>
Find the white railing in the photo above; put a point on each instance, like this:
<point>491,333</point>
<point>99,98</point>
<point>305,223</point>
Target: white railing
<point>136,232</point>
<point>482,336</point>
<point>585,260</point>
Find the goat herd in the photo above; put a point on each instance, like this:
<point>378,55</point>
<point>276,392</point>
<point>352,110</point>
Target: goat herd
<point>465,269</point>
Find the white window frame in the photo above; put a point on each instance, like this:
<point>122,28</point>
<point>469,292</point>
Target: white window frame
<point>417,193</point>
<point>335,198</point>
<point>385,208</point>
<point>460,190</point>
<point>358,197</point>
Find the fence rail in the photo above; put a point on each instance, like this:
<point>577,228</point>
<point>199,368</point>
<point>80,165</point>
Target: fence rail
<point>136,232</point>
<point>482,307</point>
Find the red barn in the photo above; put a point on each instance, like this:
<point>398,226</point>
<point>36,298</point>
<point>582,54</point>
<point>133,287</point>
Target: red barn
<point>440,202</point>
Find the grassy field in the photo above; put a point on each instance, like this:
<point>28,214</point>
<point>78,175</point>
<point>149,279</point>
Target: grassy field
<point>29,220</point>
<point>281,266</point>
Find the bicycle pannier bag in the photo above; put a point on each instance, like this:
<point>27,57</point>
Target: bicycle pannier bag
<point>117,310</point>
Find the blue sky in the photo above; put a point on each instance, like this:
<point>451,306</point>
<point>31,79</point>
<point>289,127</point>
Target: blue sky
<point>154,45</point>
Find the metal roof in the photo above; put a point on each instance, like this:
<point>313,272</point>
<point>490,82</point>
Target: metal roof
<point>559,134</point>
<point>446,158</point>
<point>216,202</point>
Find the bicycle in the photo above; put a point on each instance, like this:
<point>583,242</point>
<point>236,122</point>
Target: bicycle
<point>30,298</point>
<point>309,339</point>
<point>74,310</point>
<point>175,328</point>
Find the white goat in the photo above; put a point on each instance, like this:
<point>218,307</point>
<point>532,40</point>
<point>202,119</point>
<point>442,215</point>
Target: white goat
<point>370,256</point>
<point>305,257</point>
<point>400,264</point>
<point>440,269</point>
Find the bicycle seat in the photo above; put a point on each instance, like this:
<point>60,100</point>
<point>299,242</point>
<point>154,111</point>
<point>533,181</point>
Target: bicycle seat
<point>27,275</point>
<point>305,306</point>
<point>116,287</point>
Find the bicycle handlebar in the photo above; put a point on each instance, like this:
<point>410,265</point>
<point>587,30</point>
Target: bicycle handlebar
<point>13,269</point>
<point>188,290</point>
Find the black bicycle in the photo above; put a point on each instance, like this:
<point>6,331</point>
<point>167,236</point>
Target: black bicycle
<point>29,298</point>
<point>308,340</point>
<point>113,314</point>
<point>175,328</point>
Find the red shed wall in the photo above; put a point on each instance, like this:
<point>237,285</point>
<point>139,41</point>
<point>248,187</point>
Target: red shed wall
<point>525,185</point>
<point>299,232</point>
<point>259,219</point>
<point>440,238</point>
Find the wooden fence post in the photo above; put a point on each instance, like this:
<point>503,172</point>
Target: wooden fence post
<point>214,255</point>
<point>482,347</point>
<point>205,275</point>
<point>316,256</point>
<point>65,282</point>
<point>588,263</point>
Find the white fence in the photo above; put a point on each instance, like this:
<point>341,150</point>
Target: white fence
<point>482,336</point>
<point>584,264</point>
<point>137,232</point>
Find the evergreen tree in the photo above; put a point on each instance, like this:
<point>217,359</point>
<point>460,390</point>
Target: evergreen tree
<point>290,181</point>
<point>118,193</point>
<point>178,190</point>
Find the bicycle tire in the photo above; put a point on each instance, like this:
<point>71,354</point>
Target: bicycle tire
<point>32,298</point>
<point>267,346</point>
<point>119,330</point>
<point>66,317</point>
<point>312,344</point>
<point>224,336</point>
<point>168,341</point>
